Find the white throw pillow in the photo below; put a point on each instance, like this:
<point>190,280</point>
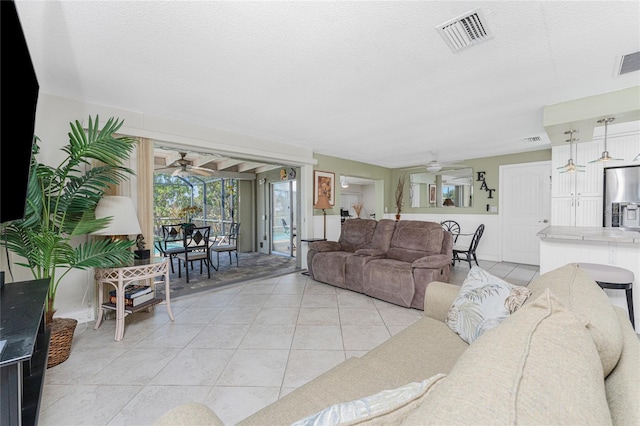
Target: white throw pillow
<point>387,406</point>
<point>484,301</point>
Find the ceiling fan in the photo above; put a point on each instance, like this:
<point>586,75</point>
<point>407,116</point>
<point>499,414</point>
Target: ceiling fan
<point>434,165</point>
<point>184,168</point>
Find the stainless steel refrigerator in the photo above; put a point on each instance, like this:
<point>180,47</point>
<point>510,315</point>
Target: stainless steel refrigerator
<point>622,197</point>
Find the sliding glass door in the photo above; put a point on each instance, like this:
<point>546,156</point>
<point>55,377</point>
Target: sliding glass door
<point>283,218</point>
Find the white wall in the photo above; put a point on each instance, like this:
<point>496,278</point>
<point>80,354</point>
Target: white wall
<point>366,194</point>
<point>75,296</point>
<point>369,201</point>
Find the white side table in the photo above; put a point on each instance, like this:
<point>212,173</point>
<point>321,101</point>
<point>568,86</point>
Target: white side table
<point>121,277</point>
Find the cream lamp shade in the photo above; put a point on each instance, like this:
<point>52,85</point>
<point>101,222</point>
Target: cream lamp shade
<point>322,203</point>
<point>124,219</point>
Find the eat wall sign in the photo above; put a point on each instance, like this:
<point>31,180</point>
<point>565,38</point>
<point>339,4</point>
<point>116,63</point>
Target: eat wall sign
<point>484,186</point>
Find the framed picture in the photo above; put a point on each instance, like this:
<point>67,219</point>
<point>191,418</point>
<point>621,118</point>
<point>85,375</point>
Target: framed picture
<point>324,184</point>
<point>432,193</point>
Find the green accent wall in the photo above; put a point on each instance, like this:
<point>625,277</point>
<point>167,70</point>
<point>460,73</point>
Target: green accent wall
<point>389,177</point>
<point>340,166</point>
<point>489,165</point>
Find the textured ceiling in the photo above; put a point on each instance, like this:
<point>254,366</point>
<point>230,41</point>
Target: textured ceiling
<point>368,81</point>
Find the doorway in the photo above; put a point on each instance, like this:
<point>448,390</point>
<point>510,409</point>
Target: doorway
<point>283,218</point>
<point>525,205</point>
<point>358,198</point>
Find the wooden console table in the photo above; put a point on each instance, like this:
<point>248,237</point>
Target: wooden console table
<point>121,277</point>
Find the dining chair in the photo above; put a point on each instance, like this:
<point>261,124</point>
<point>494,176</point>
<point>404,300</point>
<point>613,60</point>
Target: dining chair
<point>171,242</point>
<point>228,244</point>
<point>453,227</point>
<point>468,252</point>
<point>195,247</point>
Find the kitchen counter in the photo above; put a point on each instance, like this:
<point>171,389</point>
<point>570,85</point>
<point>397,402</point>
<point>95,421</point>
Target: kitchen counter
<point>560,245</point>
<point>586,233</point>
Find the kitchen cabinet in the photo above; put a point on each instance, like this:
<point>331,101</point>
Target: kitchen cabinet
<point>576,198</point>
<point>587,183</point>
<point>576,211</point>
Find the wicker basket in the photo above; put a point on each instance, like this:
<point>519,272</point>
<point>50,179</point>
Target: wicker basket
<point>62,330</point>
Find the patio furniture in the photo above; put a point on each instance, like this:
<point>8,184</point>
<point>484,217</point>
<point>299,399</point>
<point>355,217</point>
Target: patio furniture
<point>195,247</point>
<point>227,244</point>
<point>290,232</point>
<point>171,242</point>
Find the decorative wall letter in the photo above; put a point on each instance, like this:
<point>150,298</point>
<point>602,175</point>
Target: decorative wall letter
<point>481,178</point>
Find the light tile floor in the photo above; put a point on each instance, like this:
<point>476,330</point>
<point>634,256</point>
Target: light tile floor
<point>236,349</point>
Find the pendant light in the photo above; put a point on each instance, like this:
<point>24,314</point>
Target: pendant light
<point>571,167</point>
<point>343,182</point>
<point>605,153</point>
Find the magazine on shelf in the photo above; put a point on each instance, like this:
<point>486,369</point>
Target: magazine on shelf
<point>134,291</point>
<point>135,301</point>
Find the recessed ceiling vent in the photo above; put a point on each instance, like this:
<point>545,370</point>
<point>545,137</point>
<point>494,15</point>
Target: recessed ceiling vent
<point>629,63</point>
<point>540,139</point>
<point>533,139</point>
<point>465,30</point>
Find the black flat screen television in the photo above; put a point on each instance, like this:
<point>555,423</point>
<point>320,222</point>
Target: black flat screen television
<point>19,90</point>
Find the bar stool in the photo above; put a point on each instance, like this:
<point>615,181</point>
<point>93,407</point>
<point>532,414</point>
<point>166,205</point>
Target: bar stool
<point>612,277</point>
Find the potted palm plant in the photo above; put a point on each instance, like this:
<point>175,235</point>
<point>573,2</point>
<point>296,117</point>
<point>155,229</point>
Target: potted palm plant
<point>61,203</point>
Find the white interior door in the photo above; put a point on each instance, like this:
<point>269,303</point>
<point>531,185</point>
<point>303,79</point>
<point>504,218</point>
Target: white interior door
<point>525,202</point>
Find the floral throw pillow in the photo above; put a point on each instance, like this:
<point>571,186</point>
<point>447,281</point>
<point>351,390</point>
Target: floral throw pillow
<point>484,301</point>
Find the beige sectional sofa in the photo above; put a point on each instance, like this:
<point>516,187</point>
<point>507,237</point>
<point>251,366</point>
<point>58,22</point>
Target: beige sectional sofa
<point>389,260</point>
<point>567,356</point>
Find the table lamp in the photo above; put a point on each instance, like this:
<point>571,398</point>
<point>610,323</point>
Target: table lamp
<point>124,219</point>
<point>323,203</point>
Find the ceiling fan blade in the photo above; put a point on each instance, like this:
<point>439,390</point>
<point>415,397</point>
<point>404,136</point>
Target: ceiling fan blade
<point>457,165</point>
<point>164,169</point>
<point>200,171</point>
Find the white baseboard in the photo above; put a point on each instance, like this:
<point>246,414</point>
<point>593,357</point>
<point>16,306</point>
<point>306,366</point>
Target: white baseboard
<point>84,315</point>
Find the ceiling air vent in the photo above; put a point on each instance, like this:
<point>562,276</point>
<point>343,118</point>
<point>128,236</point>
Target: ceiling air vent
<point>465,30</point>
<point>533,139</point>
<point>539,140</point>
<point>629,63</point>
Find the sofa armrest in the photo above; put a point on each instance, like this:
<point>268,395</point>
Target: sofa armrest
<point>325,246</point>
<point>438,298</point>
<point>191,413</point>
<point>432,262</point>
<point>371,253</point>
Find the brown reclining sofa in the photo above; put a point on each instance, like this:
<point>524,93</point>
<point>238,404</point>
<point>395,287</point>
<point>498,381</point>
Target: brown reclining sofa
<point>389,260</point>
